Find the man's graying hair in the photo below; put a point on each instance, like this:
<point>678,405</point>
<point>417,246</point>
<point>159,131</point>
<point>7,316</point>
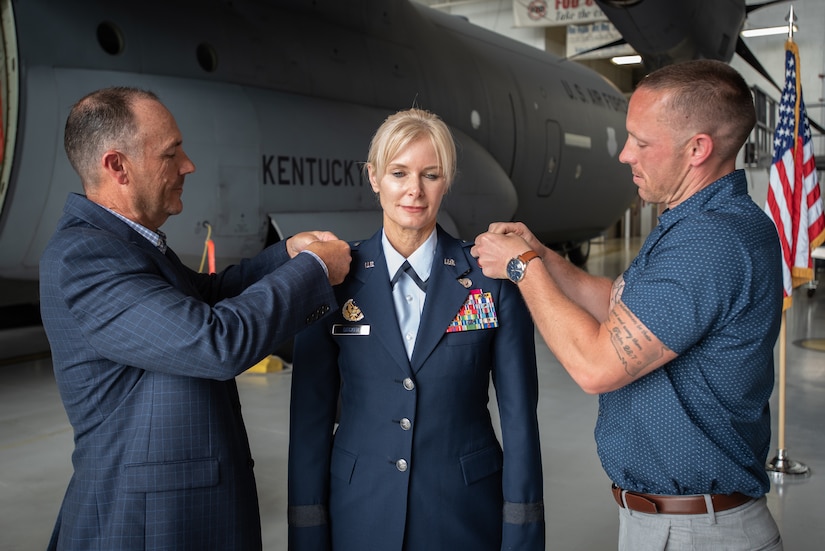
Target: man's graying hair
<point>100,121</point>
<point>710,97</point>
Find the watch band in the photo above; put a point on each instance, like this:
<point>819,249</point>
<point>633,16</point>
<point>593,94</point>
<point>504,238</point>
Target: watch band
<point>528,256</point>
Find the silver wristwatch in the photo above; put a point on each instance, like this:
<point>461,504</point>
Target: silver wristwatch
<point>516,266</point>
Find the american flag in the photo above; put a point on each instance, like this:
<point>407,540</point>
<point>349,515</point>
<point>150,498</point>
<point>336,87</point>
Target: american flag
<point>794,203</point>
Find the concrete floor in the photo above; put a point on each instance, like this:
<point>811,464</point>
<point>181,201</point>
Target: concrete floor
<point>36,439</point>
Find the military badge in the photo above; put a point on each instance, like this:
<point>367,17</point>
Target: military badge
<point>351,312</point>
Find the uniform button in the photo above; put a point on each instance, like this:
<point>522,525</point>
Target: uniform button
<point>409,384</point>
<point>409,298</point>
<point>405,424</point>
<point>401,465</point>
<point>409,337</point>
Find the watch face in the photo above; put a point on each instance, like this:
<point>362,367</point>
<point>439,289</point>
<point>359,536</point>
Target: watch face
<point>515,270</point>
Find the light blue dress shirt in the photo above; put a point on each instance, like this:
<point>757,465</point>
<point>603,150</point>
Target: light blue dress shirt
<point>408,298</point>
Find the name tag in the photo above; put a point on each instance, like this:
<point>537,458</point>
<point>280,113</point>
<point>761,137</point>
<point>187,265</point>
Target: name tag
<point>341,329</point>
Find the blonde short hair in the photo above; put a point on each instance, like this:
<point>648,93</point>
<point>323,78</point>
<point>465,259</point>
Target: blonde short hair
<point>405,127</point>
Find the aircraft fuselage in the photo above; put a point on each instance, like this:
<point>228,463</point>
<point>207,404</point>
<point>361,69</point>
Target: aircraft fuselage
<point>277,102</point>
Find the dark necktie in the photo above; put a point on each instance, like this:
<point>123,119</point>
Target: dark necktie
<point>405,267</point>
<point>406,305</point>
<point>162,243</point>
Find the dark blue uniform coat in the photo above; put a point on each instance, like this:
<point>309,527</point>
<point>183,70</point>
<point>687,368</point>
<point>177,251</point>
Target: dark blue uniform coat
<point>145,357</point>
<point>415,463</point>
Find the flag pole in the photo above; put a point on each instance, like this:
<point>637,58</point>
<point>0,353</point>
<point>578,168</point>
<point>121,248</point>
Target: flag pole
<point>781,464</point>
<point>783,341</point>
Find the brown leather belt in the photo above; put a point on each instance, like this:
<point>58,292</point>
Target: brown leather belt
<point>677,505</point>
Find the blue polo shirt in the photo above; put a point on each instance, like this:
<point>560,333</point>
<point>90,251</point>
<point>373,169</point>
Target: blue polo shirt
<point>708,283</point>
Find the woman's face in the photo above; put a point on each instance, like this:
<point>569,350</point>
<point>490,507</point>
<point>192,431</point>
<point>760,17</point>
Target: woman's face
<point>411,188</point>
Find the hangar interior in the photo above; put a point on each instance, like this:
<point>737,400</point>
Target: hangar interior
<point>580,514</point>
<point>768,49</point>
<point>36,438</point>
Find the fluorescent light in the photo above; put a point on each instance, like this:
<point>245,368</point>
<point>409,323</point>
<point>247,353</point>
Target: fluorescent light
<point>626,59</point>
<point>767,31</point>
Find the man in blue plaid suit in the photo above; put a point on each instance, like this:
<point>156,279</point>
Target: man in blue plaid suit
<point>146,350</point>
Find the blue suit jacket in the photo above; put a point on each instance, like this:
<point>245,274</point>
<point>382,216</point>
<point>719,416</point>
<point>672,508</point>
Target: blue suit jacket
<point>455,489</point>
<point>145,352</point>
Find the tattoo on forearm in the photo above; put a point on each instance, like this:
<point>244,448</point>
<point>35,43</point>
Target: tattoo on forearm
<point>632,342</point>
<point>616,291</point>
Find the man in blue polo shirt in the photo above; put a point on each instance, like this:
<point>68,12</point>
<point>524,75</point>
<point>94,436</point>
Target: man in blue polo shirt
<point>680,346</point>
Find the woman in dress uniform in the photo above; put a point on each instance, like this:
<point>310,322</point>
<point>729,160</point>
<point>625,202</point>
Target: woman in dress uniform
<point>392,445</point>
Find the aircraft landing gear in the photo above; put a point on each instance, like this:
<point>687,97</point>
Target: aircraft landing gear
<point>579,253</point>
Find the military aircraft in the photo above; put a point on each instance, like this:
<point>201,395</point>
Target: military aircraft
<point>665,32</point>
<point>277,101</point>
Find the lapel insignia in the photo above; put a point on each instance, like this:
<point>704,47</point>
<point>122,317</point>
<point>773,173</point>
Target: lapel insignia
<point>369,264</point>
<point>449,261</point>
<point>466,282</point>
<point>477,312</point>
<point>351,312</point>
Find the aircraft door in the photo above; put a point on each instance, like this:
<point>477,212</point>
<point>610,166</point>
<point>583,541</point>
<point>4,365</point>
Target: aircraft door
<point>8,96</point>
<point>552,158</point>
